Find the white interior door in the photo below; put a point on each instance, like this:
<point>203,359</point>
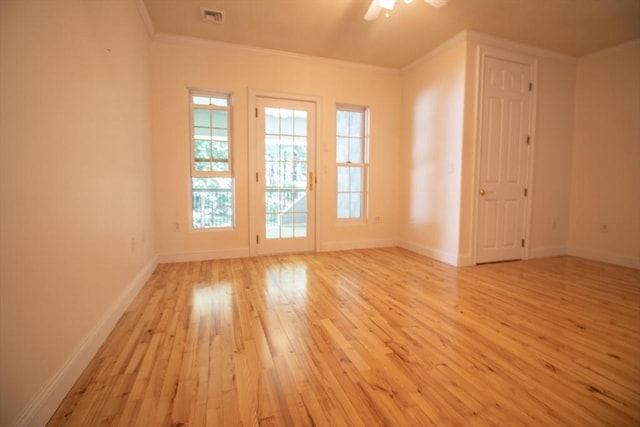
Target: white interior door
<point>285,175</point>
<point>504,150</point>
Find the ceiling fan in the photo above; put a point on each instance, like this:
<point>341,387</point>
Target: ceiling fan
<point>378,6</point>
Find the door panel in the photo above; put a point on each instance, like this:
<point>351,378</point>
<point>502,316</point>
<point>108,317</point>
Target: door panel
<point>285,180</point>
<point>503,159</point>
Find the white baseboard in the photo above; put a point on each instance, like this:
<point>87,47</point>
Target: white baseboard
<point>42,407</point>
<point>203,255</point>
<point>357,244</point>
<point>547,252</point>
<point>451,259</point>
<point>622,260</point>
<point>465,260</point>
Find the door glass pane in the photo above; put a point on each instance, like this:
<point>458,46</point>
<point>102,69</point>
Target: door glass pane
<point>286,122</point>
<point>285,173</point>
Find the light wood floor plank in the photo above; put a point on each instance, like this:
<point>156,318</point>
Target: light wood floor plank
<point>370,337</point>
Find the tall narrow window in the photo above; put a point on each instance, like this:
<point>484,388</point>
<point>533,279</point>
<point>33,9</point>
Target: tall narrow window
<point>212,182</point>
<point>352,157</point>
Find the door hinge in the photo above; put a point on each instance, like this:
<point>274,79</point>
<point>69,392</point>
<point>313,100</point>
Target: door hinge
<point>256,112</point>
<point>526,192</point>
<point>530,86</point>
<point>256,176</point>
<point>257,239</point>
<point>523,243</point>
<point>528,139</point>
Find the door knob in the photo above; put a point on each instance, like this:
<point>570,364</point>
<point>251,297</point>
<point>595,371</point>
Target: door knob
<point>482,192</point>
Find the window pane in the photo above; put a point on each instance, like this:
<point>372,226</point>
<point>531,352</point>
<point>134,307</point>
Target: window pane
<point>220,134</point>
<point>300,147</point>
<point>219,102</point>
<point>220,150</point>
<point>356,180</point>
<point>207,100</point>
<point>300,123</point>
<point>201,100</point>
<point>300,175</point>
<point>212,202</point>
<point>220,119</point>
<point>201,117</point>
<point>355,124</point>
<point>203,166</point>
<point>286,122</point>
<point>300,225</point>
<point>202,149</point>
<point>271,123</point>
<point>343,179</point>
<point>343,205</point>
<point>355,205</point>
<point>202,133</point>
<point>301,201</point>
<point>342,123</point>
<point>220,166</point>
<point>342,150</point>
<point>355,150</point>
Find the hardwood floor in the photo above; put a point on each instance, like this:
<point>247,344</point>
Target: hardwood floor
<point>371,337</point>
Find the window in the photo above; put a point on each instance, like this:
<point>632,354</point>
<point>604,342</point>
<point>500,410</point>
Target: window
<point>212,183</point>
<point>352,125</point>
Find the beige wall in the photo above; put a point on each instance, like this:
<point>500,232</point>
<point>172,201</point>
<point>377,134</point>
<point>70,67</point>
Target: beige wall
<point>433,92</point>
<point>605,190</point>
<point>178,64</point>
<point>76,211</point>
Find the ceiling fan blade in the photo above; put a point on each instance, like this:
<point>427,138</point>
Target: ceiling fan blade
<point>373,12</point>
<point>437,3</point>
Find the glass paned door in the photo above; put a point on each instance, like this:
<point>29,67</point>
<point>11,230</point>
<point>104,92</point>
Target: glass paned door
<point>285,175</point>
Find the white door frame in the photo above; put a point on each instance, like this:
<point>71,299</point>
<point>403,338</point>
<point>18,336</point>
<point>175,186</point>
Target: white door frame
<point>482,53</point>
<point>253,95</point>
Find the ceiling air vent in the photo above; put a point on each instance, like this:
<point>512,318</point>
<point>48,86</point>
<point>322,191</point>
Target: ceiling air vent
<point>215,16</point>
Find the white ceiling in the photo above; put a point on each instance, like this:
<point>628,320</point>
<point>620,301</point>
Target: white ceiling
<point>336,28</point>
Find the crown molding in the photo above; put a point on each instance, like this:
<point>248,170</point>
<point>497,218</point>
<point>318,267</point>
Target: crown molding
<point>538,52</point>
<point>631,44</point>
<point>453,41</point>
<point>144,15</point>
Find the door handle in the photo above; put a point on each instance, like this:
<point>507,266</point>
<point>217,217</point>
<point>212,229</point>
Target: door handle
<point>482,192</point>
<point>310,181</point>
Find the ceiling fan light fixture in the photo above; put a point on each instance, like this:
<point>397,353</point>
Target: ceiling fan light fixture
<point>437,3</point>
<point>387,4</point>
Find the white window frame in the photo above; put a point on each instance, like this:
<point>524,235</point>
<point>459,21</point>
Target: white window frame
<point>229,173</point>
<point>363,164</point>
